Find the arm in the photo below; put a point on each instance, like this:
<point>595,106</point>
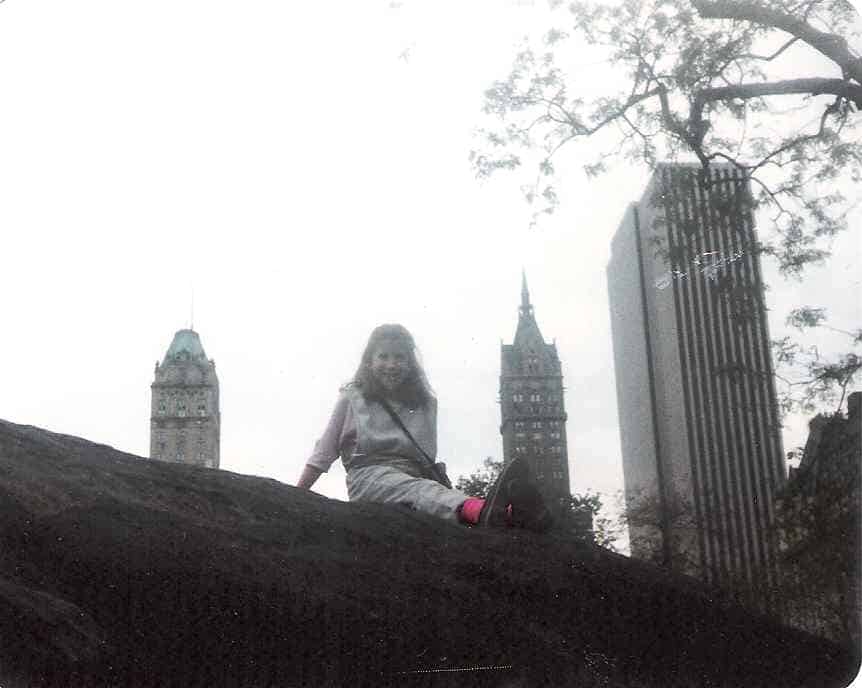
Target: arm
<point>309,476</point>
<point>327,448</point>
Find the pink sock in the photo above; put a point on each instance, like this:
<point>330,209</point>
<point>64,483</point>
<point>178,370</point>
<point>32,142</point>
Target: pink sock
<point>470,510</point>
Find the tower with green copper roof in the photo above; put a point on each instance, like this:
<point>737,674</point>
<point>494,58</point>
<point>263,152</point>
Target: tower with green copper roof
<point>185,422</point>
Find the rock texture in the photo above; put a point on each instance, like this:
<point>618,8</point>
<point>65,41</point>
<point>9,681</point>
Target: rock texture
<point>119,571</point>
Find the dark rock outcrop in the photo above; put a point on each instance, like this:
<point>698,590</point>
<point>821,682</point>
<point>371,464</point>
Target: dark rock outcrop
<point>119,571</point>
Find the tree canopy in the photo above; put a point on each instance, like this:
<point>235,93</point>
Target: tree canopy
<point>773,87</point>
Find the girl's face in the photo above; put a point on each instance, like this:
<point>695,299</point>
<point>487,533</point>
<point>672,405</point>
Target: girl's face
<point>390,364</point>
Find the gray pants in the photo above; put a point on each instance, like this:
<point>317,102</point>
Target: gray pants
<point>393,484</point>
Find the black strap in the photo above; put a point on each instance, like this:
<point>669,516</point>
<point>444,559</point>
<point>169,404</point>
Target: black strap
<point>430,464</point>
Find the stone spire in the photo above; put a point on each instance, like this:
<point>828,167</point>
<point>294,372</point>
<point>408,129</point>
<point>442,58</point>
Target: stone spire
<point>526,307</point>
<point>527,335</point>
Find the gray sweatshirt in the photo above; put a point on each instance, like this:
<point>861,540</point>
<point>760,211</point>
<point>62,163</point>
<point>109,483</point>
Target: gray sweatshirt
<point>362,431</point>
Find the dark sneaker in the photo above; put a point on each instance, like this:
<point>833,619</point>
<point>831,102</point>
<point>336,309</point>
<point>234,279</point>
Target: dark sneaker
<point>498,497</point>
<point>528,507</point>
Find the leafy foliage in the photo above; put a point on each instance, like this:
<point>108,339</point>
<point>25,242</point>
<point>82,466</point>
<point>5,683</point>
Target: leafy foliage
<point>694,83</point>
<point>819,380</point>
<point>604,530</point>
<point>479,481</point>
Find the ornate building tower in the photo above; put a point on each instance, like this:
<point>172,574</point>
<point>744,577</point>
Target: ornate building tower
<point>531,403</point>
<point>185,423</point>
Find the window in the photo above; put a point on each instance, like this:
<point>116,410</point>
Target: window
<point>202,409</point>
<point>163,407</point>
<point>181,408</point>
<point>535,397</point>
<point>537,436</point>
<point>180,457</point>
<point>537,424</point>
<point>517,397</point>
<point>555,435</point>
<point>520,435</point>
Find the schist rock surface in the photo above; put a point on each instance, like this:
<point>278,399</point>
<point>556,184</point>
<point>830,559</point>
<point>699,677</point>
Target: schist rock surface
<point>120,571</point>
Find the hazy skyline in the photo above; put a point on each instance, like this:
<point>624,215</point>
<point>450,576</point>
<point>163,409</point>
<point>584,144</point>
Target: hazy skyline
<point>303,170</point>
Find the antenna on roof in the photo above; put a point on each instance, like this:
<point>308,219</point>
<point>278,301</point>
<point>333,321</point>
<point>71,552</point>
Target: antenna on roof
<point>192,318</point>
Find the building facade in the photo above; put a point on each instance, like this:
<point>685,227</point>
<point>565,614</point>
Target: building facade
<point>185,421</point>
<point>532,405</point>
<point>699,424</point>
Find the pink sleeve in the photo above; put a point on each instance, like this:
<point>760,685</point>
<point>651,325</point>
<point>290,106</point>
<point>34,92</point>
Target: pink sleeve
<point>328,447</point>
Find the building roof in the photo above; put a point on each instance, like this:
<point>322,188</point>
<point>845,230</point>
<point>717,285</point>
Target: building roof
<point>188,342</point>
<point>528,333</point>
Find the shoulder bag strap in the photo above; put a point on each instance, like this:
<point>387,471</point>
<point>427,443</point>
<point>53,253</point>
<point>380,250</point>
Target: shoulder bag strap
<point>430,465</point>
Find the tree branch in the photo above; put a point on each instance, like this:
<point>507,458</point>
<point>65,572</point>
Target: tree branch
<point>693,136</point>
<point>769,58</point>
<point>831,45</point>
<point>814,87</point>
<point>581,130</point>
<point>796,141</point>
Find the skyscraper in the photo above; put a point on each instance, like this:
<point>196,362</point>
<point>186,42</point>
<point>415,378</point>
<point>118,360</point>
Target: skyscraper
<point>185,422</point>
<point>532,407</point>
<point>699,427</point>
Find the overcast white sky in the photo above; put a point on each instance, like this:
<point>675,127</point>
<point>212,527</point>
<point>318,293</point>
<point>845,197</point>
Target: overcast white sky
<point>303,168</point>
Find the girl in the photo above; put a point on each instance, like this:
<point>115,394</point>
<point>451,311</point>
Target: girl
<point>387,461</point>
